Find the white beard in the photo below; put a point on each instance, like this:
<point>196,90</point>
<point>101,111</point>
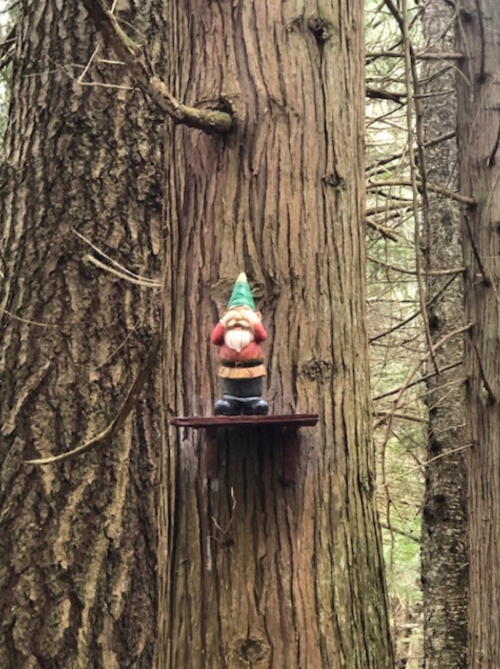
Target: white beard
<point>238,339</point>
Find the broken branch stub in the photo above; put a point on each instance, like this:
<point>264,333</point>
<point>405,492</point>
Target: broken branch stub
<point>131,53</point>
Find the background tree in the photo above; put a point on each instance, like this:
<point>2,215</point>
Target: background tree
<point>77,540</point>
<point>478,90</point>
<point>409,178</point>
<point>444,521</point>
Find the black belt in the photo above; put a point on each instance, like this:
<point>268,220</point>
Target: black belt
<point>248,363</point>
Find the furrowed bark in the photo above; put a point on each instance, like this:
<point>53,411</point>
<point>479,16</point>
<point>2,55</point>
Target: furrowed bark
<point>444,525</point>
<point>478,88</point>
<point>77,539</point>
<point>259,574</point>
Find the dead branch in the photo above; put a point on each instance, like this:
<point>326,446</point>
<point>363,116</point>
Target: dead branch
<point>145,283</point>
<point>412,372</point>
<point>458,197</point>
<point>385,232</point>
<point>413,88</point>
<point>421,379</point>
<point>416,313</point>
<point>404,270</point>
<point>487,385</point>
<point>408,535</point>
<point>121,271</point>
<point>419,56</point>
<point>380,94</point>
<point>383,416</point>
<point>117,421</point>
<point>7,48</point>
<point>132,54</point>
<point>424,464</point>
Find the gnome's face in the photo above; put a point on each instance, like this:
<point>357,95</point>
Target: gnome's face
<point>239,322</point>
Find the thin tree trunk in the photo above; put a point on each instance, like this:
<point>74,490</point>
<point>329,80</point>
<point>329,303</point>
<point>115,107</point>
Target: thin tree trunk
<point>444,527</point>
<point>77,540</point>
<point>478,88</point>
<point>258,574</point>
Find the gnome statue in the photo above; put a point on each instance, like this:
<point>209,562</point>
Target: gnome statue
<point>239,334</point>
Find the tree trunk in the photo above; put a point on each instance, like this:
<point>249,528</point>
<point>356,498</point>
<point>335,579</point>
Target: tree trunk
<point>254,573</point>
<point>444,524</point>
<point>77,540</point>
<point>478,134</point>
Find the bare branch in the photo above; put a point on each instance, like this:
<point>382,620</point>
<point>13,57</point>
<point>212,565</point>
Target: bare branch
<point>145,283</point>
<point>419,56</point>
<point>129,276</point>
<point>131,53</point>
<point>405,270</point>
<point>380,94</point>
<point>413,87</point>
<point>421,379</point>
<point>413,372</point>
<point>458,197</point>
<point>396,156</point>
<point>424,464</point>
<point>416,313</point>
<point>117,421</point>
<point>385,232</point>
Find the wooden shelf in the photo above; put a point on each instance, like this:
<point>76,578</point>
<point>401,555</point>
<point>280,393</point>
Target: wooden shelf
<point>289,424</point>
<point>279,420</point>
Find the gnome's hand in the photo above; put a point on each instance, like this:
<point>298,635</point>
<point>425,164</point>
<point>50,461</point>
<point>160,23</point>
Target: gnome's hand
<point>241,316</point>
<point>225,319</point>
<point>253,317</point>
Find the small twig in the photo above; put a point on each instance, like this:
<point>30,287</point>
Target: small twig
<point>486,277</point>
<point>26,320</point>
<point>415,369</point>
<point>384,416</point>
<point>408,535</point>
<point>231,515</point>
<point>491,395</point>
<point>482,75</point>
<point>385,209</point>
<point>491,159</point>
<point>412,86</point>
<point>100,84</point>
<point>117,421</point>
<point>121,268</point>
<point>416,313</point>
<point>396,156</point>
<point>421,379</point>
<point>424,464</point>
<point>385,232</point>
<point>404,270</point>
<point>419,56</point>
<point>458,197</point>
<point>146,283</point>
<point>87,66</point>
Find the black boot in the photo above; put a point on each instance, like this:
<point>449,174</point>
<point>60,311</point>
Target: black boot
<point>227,407</point>
<point>255,407</point>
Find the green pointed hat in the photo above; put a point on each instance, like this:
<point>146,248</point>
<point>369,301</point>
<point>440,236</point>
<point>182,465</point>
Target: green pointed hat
<point>241,295</point>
